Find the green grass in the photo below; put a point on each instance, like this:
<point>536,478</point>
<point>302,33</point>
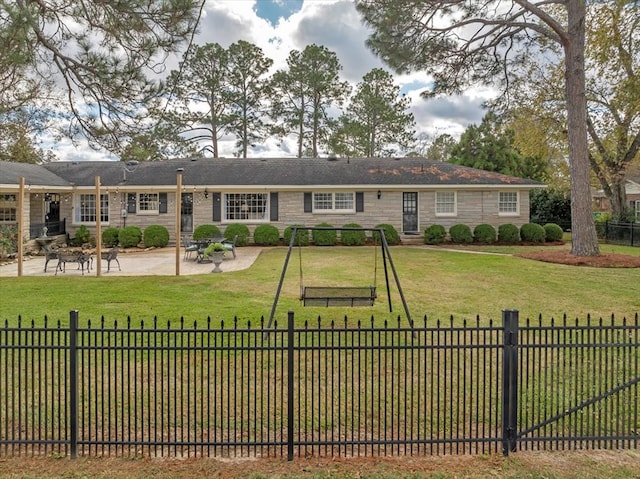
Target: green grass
<point>436,283</point>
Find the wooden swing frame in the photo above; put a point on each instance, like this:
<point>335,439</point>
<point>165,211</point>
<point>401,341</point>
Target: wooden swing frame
<point>345,296</point>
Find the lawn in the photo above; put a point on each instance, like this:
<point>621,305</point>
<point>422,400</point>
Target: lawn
<point>437,284</point>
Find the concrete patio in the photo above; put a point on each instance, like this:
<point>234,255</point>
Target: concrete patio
<point>155,262</point>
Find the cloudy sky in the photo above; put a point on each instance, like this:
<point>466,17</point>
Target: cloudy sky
<point>279,26</point>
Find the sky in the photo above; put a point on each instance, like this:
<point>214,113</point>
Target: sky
<point>279,26</point>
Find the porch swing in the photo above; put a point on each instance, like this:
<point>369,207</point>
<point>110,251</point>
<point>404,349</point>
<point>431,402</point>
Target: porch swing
<point>345,296</point>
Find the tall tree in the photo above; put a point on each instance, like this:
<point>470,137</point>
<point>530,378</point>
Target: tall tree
<point>99,52</point>
<point>490,147</point>
<point>248,91</point>
<point>440,148</point>
<point>377,121</point>
<point>200,100</point>
<point>461,43</point>
<point>303,95</point>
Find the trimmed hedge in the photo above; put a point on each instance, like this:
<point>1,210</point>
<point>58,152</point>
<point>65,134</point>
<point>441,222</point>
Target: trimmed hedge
<point>353,238</point>
<point>155,236</point>
<point>110,236</point>
<point>460,234</point>
<point>130,236</point>
<point>508,233</point>
<point>238,229</point>
<point>484,233</point>
<point>302,237</point>
<point>206,231</point>
<point>435,234</point>
<point>532,232</point>
<point>324,237</point>
<point>266,235</point>
<point>390,233</point>
<point>552,232</point>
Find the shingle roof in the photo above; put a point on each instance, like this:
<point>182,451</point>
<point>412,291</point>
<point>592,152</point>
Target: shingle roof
<point>259,172</point>
<point>10,174</point>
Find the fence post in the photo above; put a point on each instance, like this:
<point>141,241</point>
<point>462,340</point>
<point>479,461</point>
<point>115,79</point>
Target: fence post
<point>509,380</point>
<point>73,383</point>
<point>290,386</point>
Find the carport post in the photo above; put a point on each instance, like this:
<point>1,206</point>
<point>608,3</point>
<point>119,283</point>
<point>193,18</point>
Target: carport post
<point>98,228</point>
<point>178,219</point>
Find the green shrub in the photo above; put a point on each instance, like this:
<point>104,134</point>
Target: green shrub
<point>552,232</point>
<point>532,232</point>
<point>238,229</point>
<point>390,233</point>
<point>435,234</point>
<point>129,236</point>
<point>110,236</point>
<point>508,233</point>
<point>324,237</point>
<point>460,234</point>
<point>155,236</point>
<point>206,231</point>
<point>484,233</point>
<point>353,238</point>
<point>266,235</point>
<point>8,239</point>
<point>302,237</point>
<point>81,237</point>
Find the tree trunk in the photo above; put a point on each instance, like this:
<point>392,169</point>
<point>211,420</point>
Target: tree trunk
<point>583,231</point>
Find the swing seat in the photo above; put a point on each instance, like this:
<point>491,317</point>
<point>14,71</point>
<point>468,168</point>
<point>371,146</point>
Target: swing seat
<point>338,296</point>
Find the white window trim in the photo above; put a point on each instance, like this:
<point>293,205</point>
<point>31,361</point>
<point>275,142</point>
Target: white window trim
<point>225,209</point>
<point>333,210</point>
<point>76,210</point>
<point>455,205</point>
<point>155,212</point>
<point>510,213</point>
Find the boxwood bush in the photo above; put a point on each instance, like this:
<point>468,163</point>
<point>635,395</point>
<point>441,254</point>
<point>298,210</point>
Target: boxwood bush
<point>206,231</point>
<point>533,233</point>
<point>129,236</point>
<point>508,233</point>
<point>324,237</point>
<point>552,232</point>
<point>460,234</point>
<point>390,233</point>
<point>435,234</point>
<point>302,238</point>
<point>484,233</point>
<point>353,238</point>
<point>110,236</point>
<point>266,235</point>
<point>155,236</point>
<point>238,229</point>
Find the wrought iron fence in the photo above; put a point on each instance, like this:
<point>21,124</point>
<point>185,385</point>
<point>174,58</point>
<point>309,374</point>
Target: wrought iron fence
<point>619,233</point>
<point>335,389</point>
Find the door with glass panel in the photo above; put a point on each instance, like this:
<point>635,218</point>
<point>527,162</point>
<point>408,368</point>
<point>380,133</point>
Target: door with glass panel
<point>410,212</point>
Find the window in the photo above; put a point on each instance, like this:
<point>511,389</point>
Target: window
<point>508,203</point>
<point>246,206</point>
<point>85,208</point>
<point>334,202</point>
<point>446,203</point>
<point>148,203</point>
<point>8,208</point>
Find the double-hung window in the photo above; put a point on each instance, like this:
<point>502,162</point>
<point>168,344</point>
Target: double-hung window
<point>85,208</point>
<point>340,202</point>
<point>148,203</point>
<point>508,204</point>
<point>446,204</point>
<point>8,208</point>
<point>246,206</point>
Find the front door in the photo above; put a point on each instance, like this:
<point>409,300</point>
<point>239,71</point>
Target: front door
<point>186,213</point>
<point>410,212</point>
<point>52,213</point>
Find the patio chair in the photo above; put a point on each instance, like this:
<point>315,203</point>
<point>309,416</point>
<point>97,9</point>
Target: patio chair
<point>109,256</point>
<point>189,247</point>
<point>49,254</point>
<point>231,245</point>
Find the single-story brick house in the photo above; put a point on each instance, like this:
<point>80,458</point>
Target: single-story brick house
<point>408,193</point>
<point>632,190</point>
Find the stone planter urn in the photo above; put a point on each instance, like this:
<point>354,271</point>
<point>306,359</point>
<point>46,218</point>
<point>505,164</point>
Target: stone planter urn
<point>218,258</point>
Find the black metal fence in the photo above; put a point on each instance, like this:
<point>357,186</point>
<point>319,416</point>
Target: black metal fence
<point>340,389</point>
<point>619,233</point>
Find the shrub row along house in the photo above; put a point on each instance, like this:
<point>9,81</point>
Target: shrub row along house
<point>407,193</point>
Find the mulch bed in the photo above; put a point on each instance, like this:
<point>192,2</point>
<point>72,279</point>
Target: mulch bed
<point>604,260</point>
